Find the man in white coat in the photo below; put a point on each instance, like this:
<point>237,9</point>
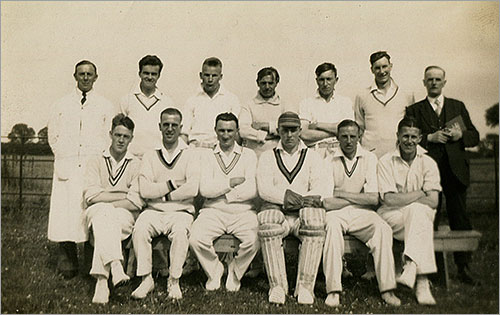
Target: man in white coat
<point>77,130</point>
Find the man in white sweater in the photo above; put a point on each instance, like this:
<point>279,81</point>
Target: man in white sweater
<point>168,181</point>
<point>228,184</point>
<point>291,182</point>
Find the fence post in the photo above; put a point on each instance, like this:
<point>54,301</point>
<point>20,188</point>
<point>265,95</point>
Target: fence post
<point>21,156</point>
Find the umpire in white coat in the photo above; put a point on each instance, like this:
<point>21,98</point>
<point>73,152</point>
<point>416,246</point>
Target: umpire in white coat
<point>77,129</point>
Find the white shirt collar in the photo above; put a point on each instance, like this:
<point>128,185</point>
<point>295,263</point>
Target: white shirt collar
<point>360,151</point>
<point>420,151</point>
<point>137,90</point>
<point>432,101</point>
<point>221,91</point>
<point>80,93</point>
<point>301,146</point>
<point>318,96</point>
<point>181,145</point>
<point>128,156</point>
<point>392,87</point>
<point>275,100</point>
<point>236,149</point>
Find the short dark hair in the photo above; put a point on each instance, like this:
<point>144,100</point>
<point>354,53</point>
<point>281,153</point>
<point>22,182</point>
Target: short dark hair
<point>212,62</point>
<point>122,120</point>
<point>150,60</point>
<point>325,66</point>
<point>268,71</point>
<point>171,111</point>
<point>347,123</point>
<point>226,117</point>
<point>434,67</point>
<point>408,121</point>
<point>379,55</point>
<point>85,62</point>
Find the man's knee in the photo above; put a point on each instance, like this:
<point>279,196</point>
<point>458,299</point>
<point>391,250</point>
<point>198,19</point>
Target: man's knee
<point>312,221</point>
<point>270,223</point>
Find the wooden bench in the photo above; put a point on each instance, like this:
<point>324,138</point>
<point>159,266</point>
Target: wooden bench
<point>445,242</point>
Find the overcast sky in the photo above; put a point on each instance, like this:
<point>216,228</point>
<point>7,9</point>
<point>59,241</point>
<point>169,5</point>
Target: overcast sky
<point>42,41</point>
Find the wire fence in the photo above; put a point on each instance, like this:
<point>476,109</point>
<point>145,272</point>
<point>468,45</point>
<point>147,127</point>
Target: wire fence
<point>27,167</point>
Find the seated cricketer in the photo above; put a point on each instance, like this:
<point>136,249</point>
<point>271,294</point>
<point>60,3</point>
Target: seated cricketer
<point>228,184</point>
<point>112,195</point>
<point>351,211</point>
<point>408,181</point>
<point>291,181</point>
<point>168,181</point>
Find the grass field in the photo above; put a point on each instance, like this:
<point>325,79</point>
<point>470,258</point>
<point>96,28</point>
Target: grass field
<point>30,283</point>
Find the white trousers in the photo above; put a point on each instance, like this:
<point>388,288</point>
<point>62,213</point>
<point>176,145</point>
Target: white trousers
<point>212,223</point>
<point>152,223</point>
<point>110,226</point>
<point>368,227</point>
<point>414,225</point>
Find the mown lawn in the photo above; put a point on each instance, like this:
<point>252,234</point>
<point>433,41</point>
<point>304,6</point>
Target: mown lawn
<point>30,283</point>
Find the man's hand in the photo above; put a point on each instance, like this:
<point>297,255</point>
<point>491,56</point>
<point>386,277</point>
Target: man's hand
<point>440,136</point>
<point>313,125</point>
<point>292,201</point>
<point>260,126</point>
<point>179,182</point>
<point>455,132</point>
<point>235,181</point>
<point>312,201</point>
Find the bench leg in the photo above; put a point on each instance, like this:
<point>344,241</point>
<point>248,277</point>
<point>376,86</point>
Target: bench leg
<point>442,265</point>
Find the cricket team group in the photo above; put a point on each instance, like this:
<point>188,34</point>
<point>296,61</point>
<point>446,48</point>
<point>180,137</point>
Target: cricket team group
<point>374,169</point>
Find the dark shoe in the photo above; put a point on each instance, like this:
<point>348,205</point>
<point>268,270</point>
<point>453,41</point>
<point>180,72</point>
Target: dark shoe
<point>68,260</point>
<point>465,276</point>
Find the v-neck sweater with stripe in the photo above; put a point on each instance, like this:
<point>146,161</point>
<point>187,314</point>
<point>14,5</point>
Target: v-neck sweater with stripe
<point>158,175</point>
<point>215,177</point>
<point>359,177</point>
<point>379,121</point>
<point>308,177</point>
<point>98,178</point>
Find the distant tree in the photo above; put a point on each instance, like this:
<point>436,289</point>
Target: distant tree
<point>492,116</point>
<point>21,133</point>
<point>42,135</point>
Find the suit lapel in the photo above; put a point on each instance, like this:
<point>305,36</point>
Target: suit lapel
<point>431,116</point>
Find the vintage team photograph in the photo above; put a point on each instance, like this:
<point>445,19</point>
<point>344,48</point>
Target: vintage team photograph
<point>249,157</point>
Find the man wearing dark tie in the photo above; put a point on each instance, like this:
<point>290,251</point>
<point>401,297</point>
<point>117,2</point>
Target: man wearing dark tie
<point>447,130</point>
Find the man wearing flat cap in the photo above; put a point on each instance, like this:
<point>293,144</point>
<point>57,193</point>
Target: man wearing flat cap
<point>290,182</point>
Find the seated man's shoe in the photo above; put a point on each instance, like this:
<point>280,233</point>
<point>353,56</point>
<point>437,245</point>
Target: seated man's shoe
<point>174,290</point>
<point>118,275</point>
<point>277,295</point>
<point>333,299</point>
<point>101,294</point>
<point>304,296</point>
<point>409,275</point>
<point>423,292</point>
<point>391,299</point>
<point>233,284</point>
<point>147,285</point>
<point>465,276</point>
<point>214,284</point>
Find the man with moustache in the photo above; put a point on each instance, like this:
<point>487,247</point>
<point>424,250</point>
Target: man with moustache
<point>445,140</point>
<point>77,130</point>
<point>378,108</point>
<point>202,109</point>
<point>408,181</point>
<point>144,105</point>
<point>259,118</point>
<point>321,113</point>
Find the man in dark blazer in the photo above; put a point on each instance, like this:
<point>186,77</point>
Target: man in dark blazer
<point>446,131</point>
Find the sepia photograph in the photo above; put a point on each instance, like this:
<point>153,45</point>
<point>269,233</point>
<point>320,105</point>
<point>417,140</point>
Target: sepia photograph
<point>249,157</point>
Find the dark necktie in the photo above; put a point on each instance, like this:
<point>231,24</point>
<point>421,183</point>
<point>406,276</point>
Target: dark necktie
<point>84,97</point>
